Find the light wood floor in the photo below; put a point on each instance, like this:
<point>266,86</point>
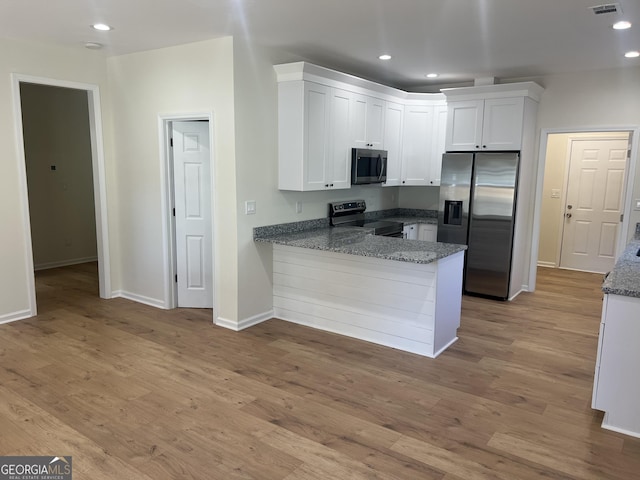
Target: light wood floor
<point>132,392</point>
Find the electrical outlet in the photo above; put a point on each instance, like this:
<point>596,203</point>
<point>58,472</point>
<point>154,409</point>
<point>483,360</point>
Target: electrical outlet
<point>298,207</point>
<point>250,207</point>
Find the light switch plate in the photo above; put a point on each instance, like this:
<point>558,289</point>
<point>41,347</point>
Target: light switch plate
<point>555,193</point>
<point>250,207</point>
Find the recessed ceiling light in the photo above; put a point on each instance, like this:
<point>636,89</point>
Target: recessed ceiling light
<point>621,25</point>
<point>632,54</point>
<point>385,57</point>
<point>103,27</point>
<point>93,45</point>
<point>432,75</point>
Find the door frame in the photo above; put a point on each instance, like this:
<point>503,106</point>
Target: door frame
<point>168,223</point>
<point>99,179</point>
<point>634,140</point>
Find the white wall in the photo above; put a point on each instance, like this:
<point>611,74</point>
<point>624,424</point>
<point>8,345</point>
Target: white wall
<point>425,198</point>
<point>56,132</point>
<point>71,64</point>
<point>186,79</point>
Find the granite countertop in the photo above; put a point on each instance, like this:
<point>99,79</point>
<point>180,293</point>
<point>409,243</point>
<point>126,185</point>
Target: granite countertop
<point>624,279</point>
<point>360,241</point>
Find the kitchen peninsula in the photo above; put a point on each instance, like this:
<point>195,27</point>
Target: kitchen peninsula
<point>616,386</point>
<point>404,294</point>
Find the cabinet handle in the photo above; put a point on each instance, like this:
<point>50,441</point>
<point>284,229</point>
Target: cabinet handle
<point>326,185</point>
<point>402,181</point>
<point>477,146</point>
<point>331,184</point>
<point>484,146</point>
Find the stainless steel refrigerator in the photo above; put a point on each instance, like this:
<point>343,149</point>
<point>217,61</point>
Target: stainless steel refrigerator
<point>477,208</point>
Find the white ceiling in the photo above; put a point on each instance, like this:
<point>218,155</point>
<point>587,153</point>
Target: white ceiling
<point>460,39</point>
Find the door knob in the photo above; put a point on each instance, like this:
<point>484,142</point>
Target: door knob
<point>568,215</point>
<point>569,207</point>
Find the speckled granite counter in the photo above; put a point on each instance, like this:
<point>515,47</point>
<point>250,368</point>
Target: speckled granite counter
<point>360,241</point>
<point>624,279</point>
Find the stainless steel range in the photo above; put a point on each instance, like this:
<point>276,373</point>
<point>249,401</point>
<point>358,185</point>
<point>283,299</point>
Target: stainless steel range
<point>351,214</point>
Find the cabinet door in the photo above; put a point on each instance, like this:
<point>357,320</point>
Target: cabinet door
<point>367,126</point>
<point>375,122</point>
<point>427,232</point>
<point>338,166</point>
<point>416,145</point>
<point>502,123</point>
<point>438,143</point>
<point>393,141</point>
<point>464,125</point>
<point>410,232</point>
<point>317,102</point>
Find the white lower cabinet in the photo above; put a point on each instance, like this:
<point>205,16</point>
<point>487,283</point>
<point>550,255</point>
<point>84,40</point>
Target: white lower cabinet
<point>616,387</point>
<point>427,232</point>
<point>420,231</point>
<point>410,231</point>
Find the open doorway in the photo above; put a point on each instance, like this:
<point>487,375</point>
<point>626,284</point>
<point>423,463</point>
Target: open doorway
<point>583,199</point>
<point>188,169</point>
<point>73,183</point>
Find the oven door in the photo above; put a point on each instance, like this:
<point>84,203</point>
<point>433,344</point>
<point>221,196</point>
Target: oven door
<point>394,234</point>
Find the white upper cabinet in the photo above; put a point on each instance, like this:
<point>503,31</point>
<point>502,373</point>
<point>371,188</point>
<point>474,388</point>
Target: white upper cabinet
<point>492,124</point>
<point>313,137</point>
<point>439,134</point>
<point>324,114</point>
<point>338,169</point>
<point>392,142</point>
<point>489,117</point>
<point>502,123</point>
<point>416,145</point>
<point>368,122</point>
<point>464,125</point>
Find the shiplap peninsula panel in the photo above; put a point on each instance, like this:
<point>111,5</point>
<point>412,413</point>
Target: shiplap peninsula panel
<point>409,306</point>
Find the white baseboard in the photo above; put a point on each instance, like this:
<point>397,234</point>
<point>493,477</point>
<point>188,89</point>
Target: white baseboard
<point>64,263</point>
<point>613,428</point>
<point>153,302</point>
<point>15,316</point>
<point>244,323</point>
<point>547,264</point>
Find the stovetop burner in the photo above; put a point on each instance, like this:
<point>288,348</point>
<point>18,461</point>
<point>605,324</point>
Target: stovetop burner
<point>351,214</point>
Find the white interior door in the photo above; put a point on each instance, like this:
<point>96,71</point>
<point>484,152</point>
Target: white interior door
<point>594,204</point>
<point>193,220</point>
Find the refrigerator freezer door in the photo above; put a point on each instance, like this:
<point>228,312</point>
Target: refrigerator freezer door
<point>455,187</point>
<point>491,224</point>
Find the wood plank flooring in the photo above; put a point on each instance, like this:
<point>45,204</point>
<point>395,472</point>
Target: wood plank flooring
<point>132,392</point>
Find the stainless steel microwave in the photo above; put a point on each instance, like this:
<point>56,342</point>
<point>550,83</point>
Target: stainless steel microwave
<point>368,166</point>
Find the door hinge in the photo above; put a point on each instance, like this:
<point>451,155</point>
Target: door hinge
<point>621,217</point>
<point>176,278</point>
<point>171,142</point>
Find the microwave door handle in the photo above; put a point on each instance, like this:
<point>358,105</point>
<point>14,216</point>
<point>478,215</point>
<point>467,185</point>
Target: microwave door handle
<point>379,166</point>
